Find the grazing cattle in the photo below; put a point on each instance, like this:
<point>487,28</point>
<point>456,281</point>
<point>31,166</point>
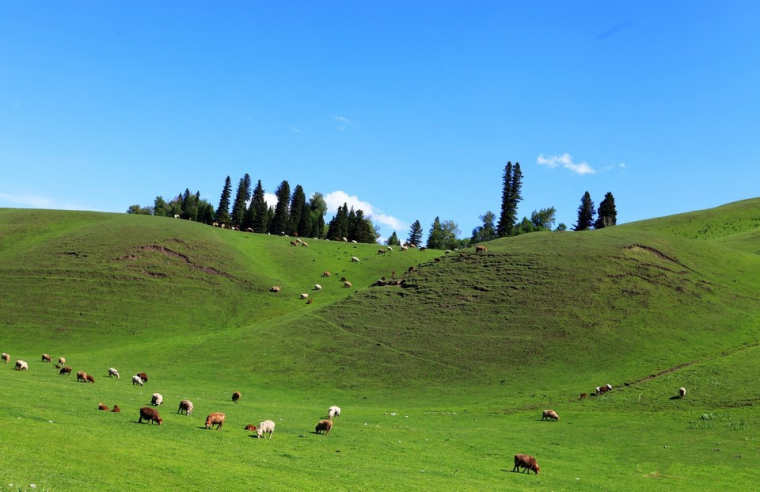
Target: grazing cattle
<point>325,274</point>
<point>185,406</point>
<point>304,296</point>
<point>317,287</point>
<point>21,365</point>
<point>275,288</point>
<point>149,414</point>
<point>61,361</point>
<point>216,418</point>
<point>527,462</point>
<point>236,396</point>
<point>81,376</point>
<point>116,409</point>
<point>583,396</point>
<point>550,415</point>
<point>103,407</point>
<point>422,248</point>
<point>354,259</point>
<point>157,399</point>
<point>250,427</point>
<point>681,392</point>
<point>347,284</point>
<point>46,358</point>
<point>481,249</point>
<point>7,357</point>
<point>136,380</point>
<point>389,248</point>
<point>265,427</point>
<point>65,370</point>
<point>333,411</point>
<point>323,427</point>
<point>600,390</point>
<point>113,373</point>
<point>143,376</point>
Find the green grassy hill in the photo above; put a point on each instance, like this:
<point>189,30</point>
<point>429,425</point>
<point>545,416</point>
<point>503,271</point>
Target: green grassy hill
<point>441,380</point>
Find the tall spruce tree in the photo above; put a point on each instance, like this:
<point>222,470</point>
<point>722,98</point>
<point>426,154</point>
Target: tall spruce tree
<point>258,209</point>
<point>338,227</point>
<point>223,210</point>
<point>607,213</point>
<point>317,207</point>
<point>510,198</point>
<point>304,224</point>
<point>269,219</point>
<point>281,213</point>
<point>296,210</point>
<point>585,213</point>
<point>241,197</point>
<point>393,240</point>
<point>415,234</point>
<point>435,235</point>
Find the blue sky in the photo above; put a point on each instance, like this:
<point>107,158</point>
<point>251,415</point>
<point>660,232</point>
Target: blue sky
<point>410,108</point>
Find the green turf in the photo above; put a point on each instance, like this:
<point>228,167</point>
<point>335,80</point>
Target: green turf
<point>441,380</point>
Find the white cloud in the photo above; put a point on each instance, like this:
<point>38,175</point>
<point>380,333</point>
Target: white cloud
<point>565,160</point>
<point>271,199</point>
<point>37,201</point>
<point>343,122</point>
<point>337,198</point>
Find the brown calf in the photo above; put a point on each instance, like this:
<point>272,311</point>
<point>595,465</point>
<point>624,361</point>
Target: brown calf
<point>149,414</point>
<point>216,418</point>
<point>527,462</point>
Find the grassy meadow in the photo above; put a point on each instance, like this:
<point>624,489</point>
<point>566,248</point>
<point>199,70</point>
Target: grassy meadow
<point>440,381</point>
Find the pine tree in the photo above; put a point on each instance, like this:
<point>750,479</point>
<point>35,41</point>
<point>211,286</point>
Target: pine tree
<point>415,234</point>
<point>281,214</point>
<point>160,207</point>
<point>269,219</point>
<point>487,231</point>
<point>393,240</point>
<point>506,219</point>
<point>607,213</point>
<point>339,224</point>
<point>258,210</point>
<point>317,209</point>
<point>304,225</point>
<point>435,235</point>
<point>585,213</point>
<point>223,211</point>
<point>297,204</point>
<point>242,196</point>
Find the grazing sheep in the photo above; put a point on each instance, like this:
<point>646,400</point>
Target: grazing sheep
<point>310,301</point>
<point>681,392</point>
<point>609,387</point>
<point>176,216</point>
<point>526,461</point>
<point>113,373</point>
<point>46,358</point>
<point>215,224</point>
<point>116,409</point>
<point>354,241</point>
<point>304,244</point>
<point>347,284</point>
<point>61,361</point>
<point>304,296</point>
<point>343,279</point>
<point>143,376</point>
<point>275,288</point>
<point>185,406</point>
<point>481,249</point>
<point>550,415</point>
<point>354,259</point>
<point>250,427</point>
<point>333,411</point>
<point>583,396</point>
<point>317,287</point>
<point>21,365</point>
<point>325,274</point>
<point>389,248</point>
<point>7,357</point>
<point>81,376</point>
<point>65,370</point>
<point>137,380</point>
<point>236,396</point>
<point>381,251</point>
<point>102,407</point>
<point>216,418</point>
<point>345,239</point>
<point>157,399</point>
<point>323,427</point>
<point>265,427</point>
<point>89,378</point>
<point>149,414</point>
<point>404,248</point>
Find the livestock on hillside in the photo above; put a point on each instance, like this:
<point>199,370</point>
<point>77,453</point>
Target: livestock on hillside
<point>136,380</point>
<point>347,284</point>
<point>185,406</point>
<point>527,462</point>
<point>5,357</point>
<point>481,249</point>
<point>149,414</point>
<point>381,251</point>
<point>116,409</point>
<point>143,376</point>
<point>304,296</point>
<point>275,288</point>
<point>582,396</point>
<point>265,427</point>
<point>404,248</point>
<point>550,415</point>
<point>326,274</point>
<point>113,373</point>
<point>46,358</point>
<point>157,399</point>
<point>323,427</point>
<point>354,259</point>
<point>21,365</point>
<point>317,287</point>
<point>216,418</point>
<point>83,377</point>
<point>65,370</point>
<point>236,396</point>
<point>250,427</point>
<point>681,392</point>
<point>333,411</point>
<point>61,361</point>
<point>103,407</point>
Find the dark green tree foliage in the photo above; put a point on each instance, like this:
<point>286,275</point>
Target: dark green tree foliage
<point>190,205</point>
<point>393,240</point>
<point>415,234</point>
<point>205,212</point>
<point>434,236</point>
<point>175,206</point>
<point>585,213</point>
<point>607,213</point>
<point>241,197</point>
<point>361,229</point>
<point>510,198</point>
<point>304,224</point>
<point>223,210</point>
<point>485,232</point>
<point>524,227</point>
<point>297,204</point>
<point>443,235</point>
<point>339,224</point>
<point>281,213</point>
<point>543,220</point>
<point>160,207</point>
<point>269,219</point>
<point>317,209</point>
<point>561,227</point>
<point>138,210</point>
<point>257,211</point>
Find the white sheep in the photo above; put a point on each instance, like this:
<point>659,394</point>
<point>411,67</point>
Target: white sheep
<point>389,248</point>
<point>333,411</point>
<point>113,373</point>
<point>609,387</point>
<point>137,380</point>
<point>317,287</point>
<point>6,357</point>
<point>22,365</point>
<point>354,259</point>
<point>265,427</point>
<point>404,248</point>
<point>304,296</point>
<point>681,391</point>
<point>353,241</point>
<point>157,399</point>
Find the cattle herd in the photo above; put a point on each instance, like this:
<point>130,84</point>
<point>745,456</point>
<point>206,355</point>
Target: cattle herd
<point>522,462</point>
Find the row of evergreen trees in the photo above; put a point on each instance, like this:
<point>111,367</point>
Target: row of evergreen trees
<point>606,214</point>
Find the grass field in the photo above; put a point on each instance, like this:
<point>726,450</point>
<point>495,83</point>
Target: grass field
<point>441,381</point>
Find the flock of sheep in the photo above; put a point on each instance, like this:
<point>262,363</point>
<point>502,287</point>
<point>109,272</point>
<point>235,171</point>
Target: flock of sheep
<point>149,414</point>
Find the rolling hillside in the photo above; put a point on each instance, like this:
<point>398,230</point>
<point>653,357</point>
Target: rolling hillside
<point>440,379</point>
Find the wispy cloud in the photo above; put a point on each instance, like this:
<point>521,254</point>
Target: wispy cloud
<point>337,198</point>
<point>271,199</point>
<point>610,167</point>
<point>343,122</point>
<point>614,30</point>
<point>37,201</point>
<point>565,160</point>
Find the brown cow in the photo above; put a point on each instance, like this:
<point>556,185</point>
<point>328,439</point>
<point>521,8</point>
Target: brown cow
<point>65,370</point>
<point>116,409</point>
<point>526,461</point>
<point>89,378</point>
<point>550,415</point>
<point>323,427</point>
<point>46,358</point>
<point>149,414</point>
<point>236,396</point>
<point>481,249</point>
<point>583,396</point>
<point>250,427</point>
<point>103,407</point>
<point>325,274</point>
<point>143,376</point>
<point>216,418</point>
<point>81,377</point>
